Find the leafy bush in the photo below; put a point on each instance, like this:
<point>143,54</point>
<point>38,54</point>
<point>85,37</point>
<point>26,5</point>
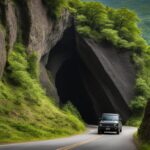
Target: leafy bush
<point>76,4</point>
<point>142,88</point>
<point>81,19</point>
<point>84,31</point>
<point>110,34</point>
<point>95,13</point>
<point>143,80</point>
<point>54,7</point>
<point>138,104</point>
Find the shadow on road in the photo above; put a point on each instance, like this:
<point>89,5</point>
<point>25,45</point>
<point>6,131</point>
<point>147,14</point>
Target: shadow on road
<point>105,133</point>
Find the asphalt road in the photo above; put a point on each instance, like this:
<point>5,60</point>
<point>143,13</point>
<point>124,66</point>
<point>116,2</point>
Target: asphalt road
<point>88,141</point>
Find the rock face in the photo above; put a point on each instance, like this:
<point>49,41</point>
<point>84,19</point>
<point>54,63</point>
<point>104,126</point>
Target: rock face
<point>44,33</point>
<point>96,78</point>
<point>28,22</point>
<point>2,53</point>
<point>7,20</point>
<point>43,36</point>
<point>11,24</point>
<point>112,86</point>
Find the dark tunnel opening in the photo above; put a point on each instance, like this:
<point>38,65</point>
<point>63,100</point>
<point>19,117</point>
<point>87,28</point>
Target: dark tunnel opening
<point>63,63</point>
<point>70,88</point>
<point>74,81</point>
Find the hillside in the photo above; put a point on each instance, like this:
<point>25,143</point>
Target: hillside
<point>62,62</point>
<point>142,9</point>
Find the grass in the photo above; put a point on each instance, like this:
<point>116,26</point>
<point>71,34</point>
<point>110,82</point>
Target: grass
<point>141,145</point>
<point>25,121</point>
<point>26,113</point>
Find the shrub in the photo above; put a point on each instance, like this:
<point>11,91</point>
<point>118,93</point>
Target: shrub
<point>54,7</point>
<point>110,35</point>
<point>138,104</point>
<point>142,88</point>
<point>84,31</point>
<point>81,20</point>
<point>76,4</point>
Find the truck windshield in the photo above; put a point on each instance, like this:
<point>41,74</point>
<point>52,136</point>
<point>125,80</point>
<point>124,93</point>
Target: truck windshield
<point>110,117</point>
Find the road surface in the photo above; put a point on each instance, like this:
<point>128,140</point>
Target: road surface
<point>88,141</point>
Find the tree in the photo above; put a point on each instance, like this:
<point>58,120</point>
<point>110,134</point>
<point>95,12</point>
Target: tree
<point>125,22</point>
<point>95,13</point>
<point>54,7</point>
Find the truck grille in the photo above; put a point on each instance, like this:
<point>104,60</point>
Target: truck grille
<point>107,125</point>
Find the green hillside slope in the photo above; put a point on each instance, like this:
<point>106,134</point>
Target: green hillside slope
<point>26,113</point>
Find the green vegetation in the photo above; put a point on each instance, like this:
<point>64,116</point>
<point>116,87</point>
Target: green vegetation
<point>135,120</point>
<point>25,111</point>
<point>118,26</point>
<point>54,7</point>
<point>142,9</point>
<point>141,145</point>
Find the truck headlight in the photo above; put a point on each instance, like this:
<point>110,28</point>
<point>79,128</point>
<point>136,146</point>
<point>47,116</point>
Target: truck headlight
<point>116,125</point>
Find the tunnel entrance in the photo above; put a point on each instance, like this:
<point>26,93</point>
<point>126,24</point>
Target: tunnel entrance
<point>75,82</point>
<point>64,64</point>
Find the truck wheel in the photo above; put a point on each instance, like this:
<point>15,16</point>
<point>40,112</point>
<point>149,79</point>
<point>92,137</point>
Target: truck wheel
<point>99,132</point>
<point>118,131</point>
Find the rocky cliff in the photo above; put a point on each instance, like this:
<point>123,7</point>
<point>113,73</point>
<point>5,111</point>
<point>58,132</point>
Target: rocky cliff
<point>110,79</point>
<point>96,78</point>
<point>28,21</point>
